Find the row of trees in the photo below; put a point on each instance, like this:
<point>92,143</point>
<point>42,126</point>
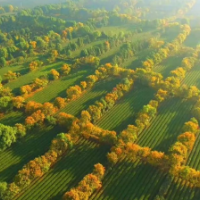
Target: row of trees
<point>177,153</point>
<point>36,168</point>
<point>164,52</point>
<point>107,102</point>
<point>88,185</point>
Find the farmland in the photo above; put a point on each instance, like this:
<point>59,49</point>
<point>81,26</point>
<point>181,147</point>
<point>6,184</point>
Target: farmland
<point>100,100</point>
<point>172,120</point>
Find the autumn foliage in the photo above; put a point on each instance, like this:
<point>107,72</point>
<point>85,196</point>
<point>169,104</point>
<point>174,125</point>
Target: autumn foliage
<point>88,185</point>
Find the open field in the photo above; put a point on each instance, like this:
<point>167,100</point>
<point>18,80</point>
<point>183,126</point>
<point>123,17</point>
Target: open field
<point>133,181</point>
<point>89,98</point>
<point>109,40</point>
<point>36,143</point>
<point>167,125</point>
<point>124,112</point>
<point>58,88</point>
<point>67,172</point>
<point>30,76</point>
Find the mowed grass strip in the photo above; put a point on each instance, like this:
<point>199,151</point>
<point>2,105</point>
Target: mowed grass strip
<point>89,98</point>
<point>167,125</point>
<point>125,110</point>
<point>34,144</point>
<point>58,87</point>
<point>67,173</point>
<point>128,180</point>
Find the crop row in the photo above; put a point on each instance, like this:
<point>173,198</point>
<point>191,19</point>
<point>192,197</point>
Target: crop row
<point>169,64</point>
<point>35,144</point>
<point>179,190</point>
<point>166,126</point>
<point>89,98</point>
<point>192,77</point>
<point>58,88</point>
<point>130,181</point>
<point>67,172</point>
<point>194,159</point>
<point>123,112</point>
<point>29,77</point>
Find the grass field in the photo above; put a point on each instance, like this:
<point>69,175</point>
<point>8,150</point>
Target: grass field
<point>193,76</point>
<point>30,76</point>
<point>58,88</point>
<point>167,125</point>
<point>67,173</point>
<point>133,181</point>
<point>124,112</point>
<point>169,64</point>
<point>89,98</point>
<point>34,144</point>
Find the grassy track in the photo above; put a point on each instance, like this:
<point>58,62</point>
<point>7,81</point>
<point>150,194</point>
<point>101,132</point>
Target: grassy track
<point>130,181</point>
<point>33,145</point>
<point>123,113</point>
<point>166,126</point>
<point>58,88</point>
<point>67,172</point>
<point>89,98</point>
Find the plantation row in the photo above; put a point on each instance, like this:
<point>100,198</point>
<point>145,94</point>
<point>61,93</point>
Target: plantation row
<point>67,172</point>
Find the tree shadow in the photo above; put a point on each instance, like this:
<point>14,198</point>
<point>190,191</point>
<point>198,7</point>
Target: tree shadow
<point>143,98</point>
<point>173,128</point>
<point>36,143</point>
<point>12,118</point>
<point>72,163</point>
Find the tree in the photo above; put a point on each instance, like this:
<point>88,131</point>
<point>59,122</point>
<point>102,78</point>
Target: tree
<point>18,102</point>
<point>74,92</point>
<point>54,74</point>
<point>5,103</point>
<point>60,102</point>
<point>65,69</point>
<point>3,189</point>
<point>7,136</point>
<point>48,109</point>
<point>3,62</point>
<point>21,130</point>
<point>65,120</point>
<point>26,89</point>
<point>112,158</point>
<point>9,76</point>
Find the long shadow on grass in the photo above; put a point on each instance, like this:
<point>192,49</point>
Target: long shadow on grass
<point>128,178</point>
<point>34,144</point>
<point>76,164</point>
<point>140,99</point>
<point>173,128</point>
<point>12,118</point>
